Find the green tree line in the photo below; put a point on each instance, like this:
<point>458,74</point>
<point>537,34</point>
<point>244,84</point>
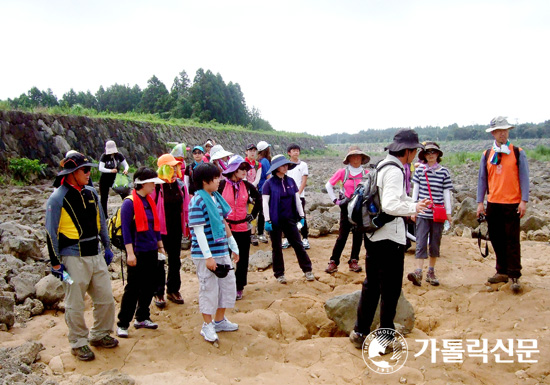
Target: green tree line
<point>208,98</point>
<point>447,133</point>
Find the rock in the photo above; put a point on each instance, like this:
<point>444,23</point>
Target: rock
<point>541,235</point>
<point>56,365</point>
<point>291,328</point>
<point>49,290</point>
<point>532,222</point>
<point>7,311</point>
<point>113,377</point>
<point>23,285</point>
<point>343,311</point>
<point>22,247</point>
<point>188,266</point>
<point>260,260</point>
<point>34,306</point>
<point>466,214</point>
<point>466,232</point>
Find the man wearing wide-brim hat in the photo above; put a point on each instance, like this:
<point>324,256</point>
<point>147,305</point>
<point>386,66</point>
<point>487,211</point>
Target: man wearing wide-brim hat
<point>386,246</point>
<point>75,224</point>
<point>504,176</point>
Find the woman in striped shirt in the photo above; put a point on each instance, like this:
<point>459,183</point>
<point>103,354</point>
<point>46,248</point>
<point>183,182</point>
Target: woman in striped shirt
<point>428,232</point>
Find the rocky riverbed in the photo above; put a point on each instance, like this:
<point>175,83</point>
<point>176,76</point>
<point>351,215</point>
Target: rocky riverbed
<point>286,335</point>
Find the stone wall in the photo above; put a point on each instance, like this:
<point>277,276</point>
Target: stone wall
<point>49,137</point>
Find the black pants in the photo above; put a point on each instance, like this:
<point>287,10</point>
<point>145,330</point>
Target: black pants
<point>384,268</point>
<point>343,232</point>
<point>304,231</point>
<point>243,243</point>
<point>503,224</point>
<point>172,246</point>
<point>261,221</point>
<point>106,181</point>
<point>139,289</point>
<point>293,236</point>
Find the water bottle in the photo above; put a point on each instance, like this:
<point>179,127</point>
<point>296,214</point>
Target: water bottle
<point>372,208</point>
<point>67,278</point>
<point>446,226</point>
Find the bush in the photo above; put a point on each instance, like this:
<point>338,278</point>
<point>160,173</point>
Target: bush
<point>23,169</point>
<point>541,153</point>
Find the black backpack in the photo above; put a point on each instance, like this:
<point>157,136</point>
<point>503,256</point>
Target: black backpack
<point>364,208</point>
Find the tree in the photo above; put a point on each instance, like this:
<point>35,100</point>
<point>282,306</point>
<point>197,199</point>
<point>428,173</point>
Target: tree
<point>256,121</point>
<point>155,96</point>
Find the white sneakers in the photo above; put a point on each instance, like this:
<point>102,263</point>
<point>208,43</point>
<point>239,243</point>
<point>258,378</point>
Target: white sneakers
<point>225,326</point>
<point>209,330</point>
<point>305,242</point>
<point>285,243</point>
<point>309,276</point>
<point>147,324</point>
<point>122,332</point>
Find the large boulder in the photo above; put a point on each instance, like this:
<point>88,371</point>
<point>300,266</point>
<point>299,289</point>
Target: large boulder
<point>15,363</point>
<point>532,222</point>
<point>260,260</point>
<point>466,214</point>
<point>7,310</point>
<point>49,290</point>
<point>23,285</point>
<point>20,241</point>
<point>343,311</point>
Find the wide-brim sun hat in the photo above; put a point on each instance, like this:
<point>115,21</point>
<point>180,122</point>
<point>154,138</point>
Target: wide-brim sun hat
<point>167,159</point>
<point>234,163</point>
<point>499,123</point>
<point>262,145</point>
<point>278,161</point>
<point>73,162</point>
<point>217,152</point>
<point>155,180</point>
<point>355,150</point>
<point>429,146</point>
<point>179,151</point>
<point>110,147</point>
<point>404,139</point>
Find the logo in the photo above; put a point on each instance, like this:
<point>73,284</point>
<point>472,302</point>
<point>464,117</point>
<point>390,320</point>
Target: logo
<point>385,351</point>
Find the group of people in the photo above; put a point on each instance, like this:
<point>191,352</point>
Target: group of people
<point>218,197</point>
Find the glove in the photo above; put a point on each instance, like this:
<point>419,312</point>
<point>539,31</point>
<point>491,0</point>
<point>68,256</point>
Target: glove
<point>58,273</point>
<point>249,218</point>
<point>268,226</point>
<point>302,222</point>
<point>108,256</point>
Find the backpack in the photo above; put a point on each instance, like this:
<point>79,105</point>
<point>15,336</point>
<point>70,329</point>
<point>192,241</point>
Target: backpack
<point>342,192</point>
<point>364,208</point>
<point>114,226</point>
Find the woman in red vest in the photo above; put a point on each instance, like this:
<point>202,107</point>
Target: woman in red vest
<point>238,192</point>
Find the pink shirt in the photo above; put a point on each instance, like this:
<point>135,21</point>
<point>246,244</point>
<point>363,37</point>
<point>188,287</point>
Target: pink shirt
<point>351,183</point>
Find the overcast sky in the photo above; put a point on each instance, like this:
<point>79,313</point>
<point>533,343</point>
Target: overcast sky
<point>310,66</point>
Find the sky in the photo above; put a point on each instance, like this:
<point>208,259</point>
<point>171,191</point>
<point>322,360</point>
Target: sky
<point>320,67</point>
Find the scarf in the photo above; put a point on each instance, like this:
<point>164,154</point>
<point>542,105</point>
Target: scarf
<point>139,212</point>
<point>505,149</point>
<point>195,164</point>
<point>431,168</point>
<point>169,173</point>
<point>216,222</point>
<point>236,186</point>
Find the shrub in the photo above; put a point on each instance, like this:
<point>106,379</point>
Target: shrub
<point>24,169</point>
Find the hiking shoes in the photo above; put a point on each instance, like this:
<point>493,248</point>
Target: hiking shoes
<point>83,353</point>
<point>332,267</point>
<point>305,242</point>
<point>106,342</point>
<point>254,240</point>
<point>415,277</point>
<point>175,297</point>
<point>285,244</point>
<point>225,326</point>
<point>354,266</point>
<point>147,324</point>
<point>208,332</point>
<point>432,279</point>
<point>239,295</point>
<point>357,339</point>
<point>309,276</point>
<point>159,301</point>
<point>497,278</point>
<point>515,286</point>
<point>281,279</point>
<point>262,238</point>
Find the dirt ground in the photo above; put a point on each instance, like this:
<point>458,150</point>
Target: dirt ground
<point>285,336</point>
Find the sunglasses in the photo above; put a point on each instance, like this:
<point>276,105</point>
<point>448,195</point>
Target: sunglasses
<point>86,169</point>
<point>429,152</point>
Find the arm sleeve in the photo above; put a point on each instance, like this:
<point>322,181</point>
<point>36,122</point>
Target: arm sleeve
<point>330,191</point>
<point>125,164</point>
<point>299,206</point>
<point>202,241</point>
<point>53,213</point>
<point>233,244</point>
<point>482,180</point>
<point>258,176</point>
<point>265,202</point>
<point>524,176</point>
<point>392,191</point>
<point>416,192</point>
<point>447,200</point>
<point>102,168</point>
<point>255,195</point>
<point>186,181</point>
<point>103,231</point>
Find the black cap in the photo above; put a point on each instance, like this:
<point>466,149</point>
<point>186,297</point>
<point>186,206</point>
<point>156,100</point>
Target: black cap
<point>405,138</point>
<point>251,146</point>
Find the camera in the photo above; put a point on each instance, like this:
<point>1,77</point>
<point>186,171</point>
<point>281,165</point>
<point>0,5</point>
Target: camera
<point>481,218</point>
